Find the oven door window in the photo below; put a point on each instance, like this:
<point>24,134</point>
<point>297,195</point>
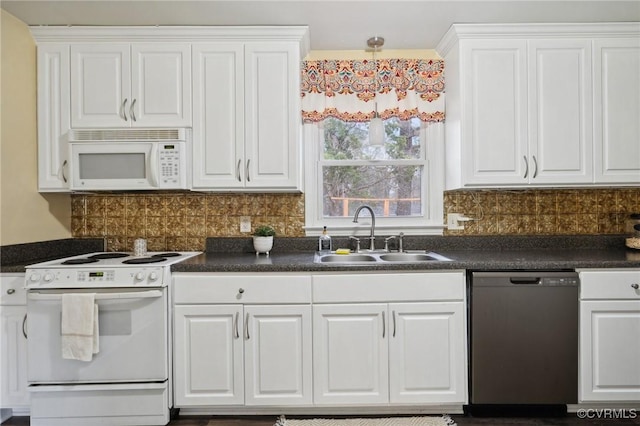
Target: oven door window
<point>132,338</point>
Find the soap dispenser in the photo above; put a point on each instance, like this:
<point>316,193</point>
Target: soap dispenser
<point>324,242</point>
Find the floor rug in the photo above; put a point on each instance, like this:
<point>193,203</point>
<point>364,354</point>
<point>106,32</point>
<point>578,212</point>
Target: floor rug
<point>386,421</point>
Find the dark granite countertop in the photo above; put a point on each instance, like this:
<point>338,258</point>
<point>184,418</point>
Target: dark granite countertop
<point>15,257</point>
<point>297,254</point>
<point>472,253</point>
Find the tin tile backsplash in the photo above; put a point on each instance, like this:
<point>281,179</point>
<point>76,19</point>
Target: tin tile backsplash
<point>182,221</point>
<point>543,212</point>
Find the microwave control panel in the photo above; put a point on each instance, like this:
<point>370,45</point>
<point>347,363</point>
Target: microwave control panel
<point>169,156</point>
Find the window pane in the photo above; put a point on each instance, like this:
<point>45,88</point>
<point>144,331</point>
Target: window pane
<point>392,191</point>
<point>350,141</point>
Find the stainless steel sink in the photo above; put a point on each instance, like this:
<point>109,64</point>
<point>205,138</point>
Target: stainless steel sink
<point>355,258</point>
<point>346,258</point>
<point>411,257</point>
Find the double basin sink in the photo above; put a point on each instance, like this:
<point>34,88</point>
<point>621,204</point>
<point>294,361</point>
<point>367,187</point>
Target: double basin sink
<point>382,257</point>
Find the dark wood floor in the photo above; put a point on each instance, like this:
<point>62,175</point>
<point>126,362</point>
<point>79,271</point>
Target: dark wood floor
<point>569,420</point>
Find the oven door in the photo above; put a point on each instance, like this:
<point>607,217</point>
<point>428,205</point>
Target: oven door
<point>132,338</point>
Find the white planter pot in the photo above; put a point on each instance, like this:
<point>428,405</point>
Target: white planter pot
<point>262,244</point>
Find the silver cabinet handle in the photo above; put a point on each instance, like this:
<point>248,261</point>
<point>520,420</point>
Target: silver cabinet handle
<point>132,113</point>
<point>535,167</point>
<point>246,327</point>
<point>635,286</point>
<point>24,326</point>
<point>384,325</point>
<point>526,164</point>
<point>241,290</point>
<point>64,164</point>
<point>237,332</point>
<point>238,171</point>
<point>247,170</point>
<point>124,109</point>
<point>394,323</point>
<point>13,290</point>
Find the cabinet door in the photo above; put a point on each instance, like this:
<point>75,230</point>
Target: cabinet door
<point>427,353</point>
<point>218,115</point>
<point>208,355</point>
<point>160,85</point>
<point>494,112</point>
<point>560,112</point>
<point>278,355</point>
<point>609,350</point>
<point>617,108</point>
<point>100,85</point>
<point>273,123</point>
<point>13,358</point>
<point>350,354</point>
<point>53,117</point>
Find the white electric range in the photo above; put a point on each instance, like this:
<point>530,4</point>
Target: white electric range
<point>127,382</point>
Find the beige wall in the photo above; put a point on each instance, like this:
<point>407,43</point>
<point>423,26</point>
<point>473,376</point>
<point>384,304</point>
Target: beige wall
<point>25,215</point>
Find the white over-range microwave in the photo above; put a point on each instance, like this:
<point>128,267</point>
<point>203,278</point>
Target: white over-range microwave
<point>128,159</point>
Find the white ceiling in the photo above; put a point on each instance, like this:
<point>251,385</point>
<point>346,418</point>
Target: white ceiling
<point>333,25</point>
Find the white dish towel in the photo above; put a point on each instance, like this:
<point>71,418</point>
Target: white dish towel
<point>79,326</point>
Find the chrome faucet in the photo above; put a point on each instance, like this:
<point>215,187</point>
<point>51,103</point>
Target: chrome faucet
<point>372,237</point>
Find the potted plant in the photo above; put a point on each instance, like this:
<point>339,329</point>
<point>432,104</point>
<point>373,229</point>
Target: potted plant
<point>263,239</point>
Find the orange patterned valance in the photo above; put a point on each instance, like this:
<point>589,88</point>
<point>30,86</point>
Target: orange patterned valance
<point>350,89</point>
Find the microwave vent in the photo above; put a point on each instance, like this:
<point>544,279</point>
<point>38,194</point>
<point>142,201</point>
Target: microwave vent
<point>126,135</point>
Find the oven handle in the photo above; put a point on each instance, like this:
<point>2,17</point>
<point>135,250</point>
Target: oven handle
<point>101,296</point>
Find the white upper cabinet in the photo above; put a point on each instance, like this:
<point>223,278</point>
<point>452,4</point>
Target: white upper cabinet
<point>492,111</point>
<point>124,85</point>
<point>243,103</point>
<point>218,126</point>
<point>53,117</point>
<point>560,112</point>
<point>541,105</point>
<point>246,119</point>
<point>617,109</point>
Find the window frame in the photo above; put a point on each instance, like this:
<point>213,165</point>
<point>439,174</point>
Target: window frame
<point>430,223</point>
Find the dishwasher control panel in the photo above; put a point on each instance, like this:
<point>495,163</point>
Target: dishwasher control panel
<point>553,281</point>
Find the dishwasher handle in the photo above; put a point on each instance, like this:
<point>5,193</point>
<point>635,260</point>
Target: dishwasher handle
<point>525,280</point>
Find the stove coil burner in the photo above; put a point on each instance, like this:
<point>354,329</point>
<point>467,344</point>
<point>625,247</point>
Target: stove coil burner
<point>143,260</point>
<point>80,261</point>
<point>173,254</point>
<point>111,255</point>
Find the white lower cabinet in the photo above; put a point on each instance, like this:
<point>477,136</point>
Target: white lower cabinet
<point>13,343</point>
<point>609,335</point>
<point>400,352</point>
<point>252,347</point>
<point>208,355</point>
<point>350,354</point>
<point>361,339</point>
<point>426,352</point>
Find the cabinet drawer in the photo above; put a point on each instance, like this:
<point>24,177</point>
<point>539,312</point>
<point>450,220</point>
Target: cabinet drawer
<point>244,289</point>
<point>610,284</point>
<point>13,291</point>
<point>391,287</point>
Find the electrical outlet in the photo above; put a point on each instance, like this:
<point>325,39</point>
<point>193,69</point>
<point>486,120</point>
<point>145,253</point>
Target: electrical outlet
<point>245,224</point>
<point>454,223</point>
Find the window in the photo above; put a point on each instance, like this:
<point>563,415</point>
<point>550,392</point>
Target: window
<point>402,181</point>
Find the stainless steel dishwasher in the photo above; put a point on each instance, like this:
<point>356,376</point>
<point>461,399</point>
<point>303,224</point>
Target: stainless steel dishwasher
<point>524,338</point>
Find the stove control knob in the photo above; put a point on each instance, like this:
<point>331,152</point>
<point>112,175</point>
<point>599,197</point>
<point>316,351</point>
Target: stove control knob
<point>153,276</point>
<point>48,278</point>
<point>139,276</point>
<point>34,278</point>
